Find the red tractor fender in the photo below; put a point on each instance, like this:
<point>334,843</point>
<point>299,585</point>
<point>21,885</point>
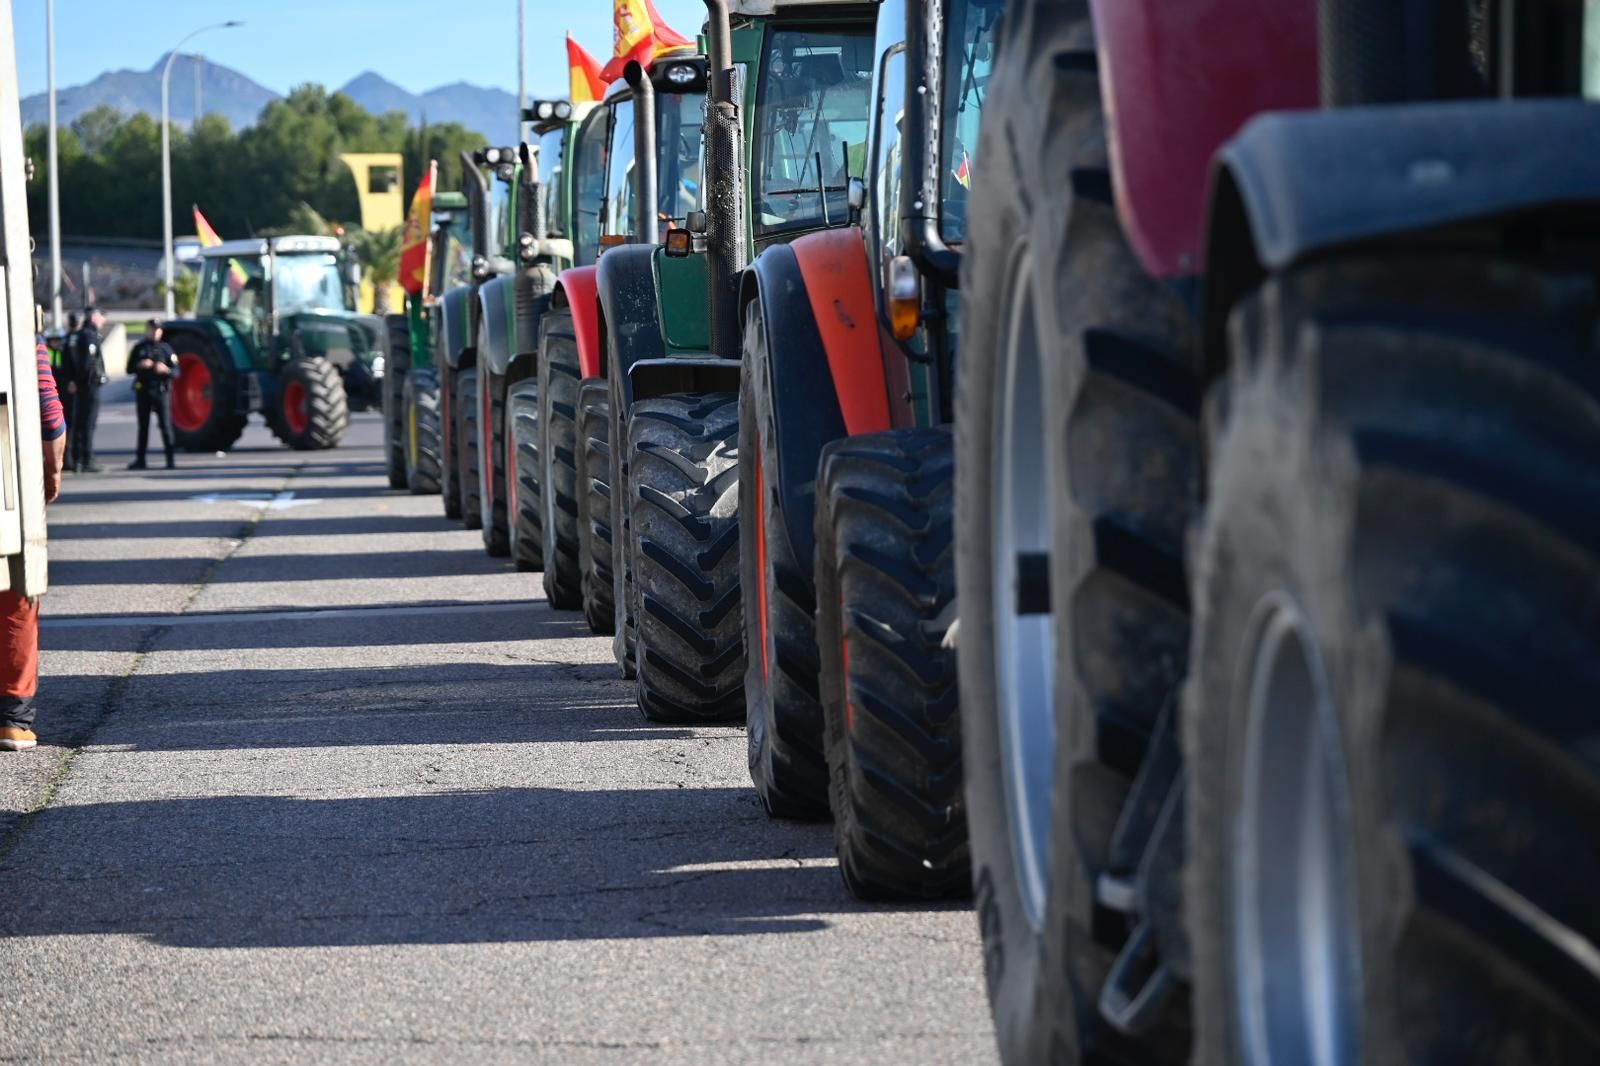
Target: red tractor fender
<point>576,289</point>
<point>838,283</point>
<point>1178,81</point>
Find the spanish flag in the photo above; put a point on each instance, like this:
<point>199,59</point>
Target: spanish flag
<point>414,244</point>
<point>209,238</point>
<point>638,34</point>
<point>583,70</point>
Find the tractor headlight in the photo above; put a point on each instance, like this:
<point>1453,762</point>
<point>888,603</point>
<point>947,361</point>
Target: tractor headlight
<point>563,109</point>
<point>491,156</point>
<point>544,109</point>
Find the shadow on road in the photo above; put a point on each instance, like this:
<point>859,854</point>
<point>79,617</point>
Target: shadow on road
<point>326,566</point>
<point>506,864</point>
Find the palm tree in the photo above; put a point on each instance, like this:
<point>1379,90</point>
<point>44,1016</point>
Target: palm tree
<point>378,252</point>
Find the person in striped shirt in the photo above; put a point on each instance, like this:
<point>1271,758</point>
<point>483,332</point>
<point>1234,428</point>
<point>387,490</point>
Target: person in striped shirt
<point>19,616</point>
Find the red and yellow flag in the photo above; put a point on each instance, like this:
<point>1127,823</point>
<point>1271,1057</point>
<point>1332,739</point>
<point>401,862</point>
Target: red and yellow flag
<point>639,34</point>
<point>414,244</point>
<point>209,238</point>
<point>583,70</point>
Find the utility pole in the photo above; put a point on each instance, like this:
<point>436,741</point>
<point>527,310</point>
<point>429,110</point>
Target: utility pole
<point>522,85</point>
<point>199,99</point>
<point>166,156</point>
<point>55,173</point>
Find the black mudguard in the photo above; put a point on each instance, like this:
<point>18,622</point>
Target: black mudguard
<point>1292,185</point>
<point>494,324</point>
<point>625,287</point>
<point>455,321</point>
<point>804,403</point>
<point>534,288</point>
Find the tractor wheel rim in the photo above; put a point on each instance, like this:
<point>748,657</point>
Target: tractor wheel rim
<point>1024,636</point>
<point>1297,968</point>
<point>296,409</point>
<point>191,394</point>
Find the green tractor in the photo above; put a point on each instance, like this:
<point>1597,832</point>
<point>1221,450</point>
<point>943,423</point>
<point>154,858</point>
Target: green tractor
<point>786,120</point>
<point>411,382</point>
<point>275,331</point>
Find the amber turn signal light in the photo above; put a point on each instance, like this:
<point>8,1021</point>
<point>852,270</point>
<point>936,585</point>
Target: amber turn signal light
<point>902,291</point>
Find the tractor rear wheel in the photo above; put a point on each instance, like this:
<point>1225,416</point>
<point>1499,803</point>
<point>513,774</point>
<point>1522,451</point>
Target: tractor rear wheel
<point>421,391</point>
<point>1077,475</point>
<point>466,401</point>
<point>558,381</point>
<point>1390,739</point>
<point>594,494</point>
<point>312,411</point>
<point>522,473</point>
<point>783,710</point>
<point>683,482</point>
<point>204,415</point>
<point>396,358</point>
<point>492,489</point>
<point>886,579</point>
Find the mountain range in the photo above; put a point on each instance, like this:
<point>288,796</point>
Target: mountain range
<point>227,92</point>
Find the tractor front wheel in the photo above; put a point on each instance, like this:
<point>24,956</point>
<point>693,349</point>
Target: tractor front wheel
<point>683,480</point>
<point>886,577</point>
<point>522,473</point>
<point>594,493</point>
<point>204,415</point>
<point>559,379</point>
<point>311,412</point>
<point>421,392</point>
<point>466,401</point>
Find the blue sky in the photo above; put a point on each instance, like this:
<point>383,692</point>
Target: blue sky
<point>285,42</point>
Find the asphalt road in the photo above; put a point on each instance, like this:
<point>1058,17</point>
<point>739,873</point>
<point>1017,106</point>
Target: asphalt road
<point>320,781</point>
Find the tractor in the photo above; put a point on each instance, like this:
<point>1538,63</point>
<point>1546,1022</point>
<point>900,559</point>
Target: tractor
<point>570,443</point>
<point>411,383</point>
<point>847,478</point>
<point>1278,532</point>
<point>275,332</point>
<point>785,127</point>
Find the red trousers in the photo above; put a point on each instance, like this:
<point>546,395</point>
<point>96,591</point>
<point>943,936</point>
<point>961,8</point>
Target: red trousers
<point>19,657</point>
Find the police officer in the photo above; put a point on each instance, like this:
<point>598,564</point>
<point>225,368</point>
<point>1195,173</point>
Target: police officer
<point>153,366</point>
<point>85,373</point>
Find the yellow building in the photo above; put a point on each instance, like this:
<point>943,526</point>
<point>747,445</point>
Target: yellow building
<point>380,189</point>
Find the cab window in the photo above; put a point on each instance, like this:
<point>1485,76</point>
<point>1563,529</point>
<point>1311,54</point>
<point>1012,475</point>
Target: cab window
<point>589,182</point>
<point>678,118</point>
<point>617,220</point>
<point>811,125</point>
<point>969,54</point>
<point>885,193</point>
<point>552,143</point>
<point>502,220</point>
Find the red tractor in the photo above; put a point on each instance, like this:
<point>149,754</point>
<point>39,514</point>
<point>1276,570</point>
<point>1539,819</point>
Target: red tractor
<point>1278,532</point>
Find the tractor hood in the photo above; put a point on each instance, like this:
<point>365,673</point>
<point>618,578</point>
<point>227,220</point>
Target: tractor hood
<point>340,339</point>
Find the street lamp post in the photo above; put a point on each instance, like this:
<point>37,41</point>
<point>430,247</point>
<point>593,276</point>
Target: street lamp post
<point>166,154</point>
<point>55,175</point>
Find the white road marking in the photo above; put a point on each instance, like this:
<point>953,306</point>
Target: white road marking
<point>269,501</point>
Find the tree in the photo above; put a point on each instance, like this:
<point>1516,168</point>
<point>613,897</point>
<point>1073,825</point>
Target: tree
<point>378,252</point>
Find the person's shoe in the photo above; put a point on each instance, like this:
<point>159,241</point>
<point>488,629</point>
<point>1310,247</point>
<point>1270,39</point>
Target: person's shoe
<point>137,464</point>
<point>171,465</point>
<point>16,738</point>
<point>91,468</point>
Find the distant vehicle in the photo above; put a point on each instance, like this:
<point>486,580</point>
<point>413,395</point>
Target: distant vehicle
<point>274,331</point>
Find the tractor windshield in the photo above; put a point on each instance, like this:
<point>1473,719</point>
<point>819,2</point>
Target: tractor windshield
<point>552,146</point>
<point>307,282</point>
<point>968,55</point>
<point>811,125</point>
<point>678,117</point>
<point>231,288</point>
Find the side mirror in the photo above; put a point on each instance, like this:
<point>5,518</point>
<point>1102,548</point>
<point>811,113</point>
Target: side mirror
<point>856,197</point>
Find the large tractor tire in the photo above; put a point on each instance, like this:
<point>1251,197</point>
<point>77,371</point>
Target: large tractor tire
<point>1394,780</point>
<point>594,494</point>
<point>421,392</point>
<point>683,481</point>
<point>204,417</point>
<point>312,411</point>
<point>558,391</point>
<point>398,356</point>
<point>1077,467</point>
<point>625,638</point>
<point>466,400</point>
<point>522,473</point>
<point>886,590</point>
<point>493,516</point>
<point>783,709</point>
